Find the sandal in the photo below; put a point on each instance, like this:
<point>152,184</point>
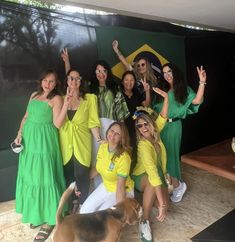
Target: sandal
<point>34,226</point>
<point>43,234</point>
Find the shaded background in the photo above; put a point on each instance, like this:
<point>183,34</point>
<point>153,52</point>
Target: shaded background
<point>31,40</point>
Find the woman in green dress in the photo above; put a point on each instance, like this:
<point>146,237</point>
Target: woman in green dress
<point>40,180</point>
<point>182,102</point>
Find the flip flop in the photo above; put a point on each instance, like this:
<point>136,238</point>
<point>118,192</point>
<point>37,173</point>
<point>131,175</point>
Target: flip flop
<point>43,234</point>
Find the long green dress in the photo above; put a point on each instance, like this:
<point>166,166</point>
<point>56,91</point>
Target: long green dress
<point>172,132</point>
<point>40,180</point>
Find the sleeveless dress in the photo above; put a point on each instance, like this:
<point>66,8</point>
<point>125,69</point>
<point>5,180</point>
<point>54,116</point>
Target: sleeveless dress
<point>40,180</point>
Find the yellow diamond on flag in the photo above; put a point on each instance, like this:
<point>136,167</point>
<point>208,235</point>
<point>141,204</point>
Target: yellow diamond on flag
<point>119,69</point>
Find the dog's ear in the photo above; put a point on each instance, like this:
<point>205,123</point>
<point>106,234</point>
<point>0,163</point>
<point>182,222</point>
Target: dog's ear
<point>132,211</point>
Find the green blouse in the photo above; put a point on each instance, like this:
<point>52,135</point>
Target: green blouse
<point>105,101</point>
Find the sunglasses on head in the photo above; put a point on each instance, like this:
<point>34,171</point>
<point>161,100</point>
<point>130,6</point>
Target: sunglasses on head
<point>139,126</point>
<point>71,78</point>
<point>142,64</point>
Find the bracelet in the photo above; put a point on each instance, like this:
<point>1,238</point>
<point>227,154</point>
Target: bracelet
<point>202,83</point>
<point>98,140</point>
<point>19,133</point>
<point>163,206</point>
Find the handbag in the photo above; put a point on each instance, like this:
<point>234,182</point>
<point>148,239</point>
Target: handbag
<point>16,148</point>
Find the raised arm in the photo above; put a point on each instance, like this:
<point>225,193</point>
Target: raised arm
<point>65,57</point>
<point>201,88</point>
<point>120,56</point>
<point>60,117</point>
<point>147,101</point>
<point>164,111</point>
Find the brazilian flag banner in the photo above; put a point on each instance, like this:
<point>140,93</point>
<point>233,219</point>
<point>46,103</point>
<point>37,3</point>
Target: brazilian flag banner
<point>158,47</point>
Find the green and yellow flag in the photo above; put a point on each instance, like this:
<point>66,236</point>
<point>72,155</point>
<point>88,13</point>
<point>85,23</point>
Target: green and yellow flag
<point>158,47</point>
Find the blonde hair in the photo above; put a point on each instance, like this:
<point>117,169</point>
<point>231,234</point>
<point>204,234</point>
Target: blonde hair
<point>149,72</point>
<point>124,145</point>
<point>153,130</point>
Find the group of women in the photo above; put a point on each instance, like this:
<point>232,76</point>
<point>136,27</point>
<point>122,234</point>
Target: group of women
<point>109,133</point>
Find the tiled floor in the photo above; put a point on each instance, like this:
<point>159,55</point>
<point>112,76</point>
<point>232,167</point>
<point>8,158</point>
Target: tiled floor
<point>208,198</point>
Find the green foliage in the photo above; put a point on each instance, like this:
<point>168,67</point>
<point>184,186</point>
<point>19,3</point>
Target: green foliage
<point>37,3</point>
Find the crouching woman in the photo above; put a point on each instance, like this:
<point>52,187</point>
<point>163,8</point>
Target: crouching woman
<point>113,164</point>
<point>150,170</point>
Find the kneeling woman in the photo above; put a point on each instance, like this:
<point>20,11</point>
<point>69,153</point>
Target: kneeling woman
<point>149,173</point>
<point>113,164</point>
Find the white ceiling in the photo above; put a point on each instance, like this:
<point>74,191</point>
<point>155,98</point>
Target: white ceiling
<point>216,14</point>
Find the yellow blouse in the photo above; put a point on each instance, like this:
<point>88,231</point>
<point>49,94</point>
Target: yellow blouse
<point>110,171</point>
<point>75,134</point>
<point>148,159</point>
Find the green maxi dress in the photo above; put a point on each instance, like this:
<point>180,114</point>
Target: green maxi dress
<point>40,180</point>
<point>172,132</point>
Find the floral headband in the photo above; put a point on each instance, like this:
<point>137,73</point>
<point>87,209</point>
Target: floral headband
<point>142,110</point>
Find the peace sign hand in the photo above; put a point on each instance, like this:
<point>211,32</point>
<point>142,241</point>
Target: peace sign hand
<point>145,84</point>
<point>65,55</point>
<point>201,74</point>
<point>68,97</point>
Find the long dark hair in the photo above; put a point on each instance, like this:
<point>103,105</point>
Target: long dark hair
<point>179,83</point>
<point>55,91</point>
<point>82,89</point>
<point>110,82</point>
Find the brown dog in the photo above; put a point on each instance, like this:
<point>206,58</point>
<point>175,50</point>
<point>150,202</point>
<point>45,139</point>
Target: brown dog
<point>100,226</point>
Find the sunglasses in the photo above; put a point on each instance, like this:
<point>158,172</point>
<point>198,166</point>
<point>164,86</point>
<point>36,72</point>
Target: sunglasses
<point>101,71</point>
<point>139,126</point>
<point>141,65</point>
<point>71,78</point>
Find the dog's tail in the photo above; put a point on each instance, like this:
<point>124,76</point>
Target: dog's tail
<point>67,193</point>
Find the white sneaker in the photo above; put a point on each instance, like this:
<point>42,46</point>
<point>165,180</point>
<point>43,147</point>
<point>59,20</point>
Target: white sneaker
<point>178,192</point>
<point>145,231</point>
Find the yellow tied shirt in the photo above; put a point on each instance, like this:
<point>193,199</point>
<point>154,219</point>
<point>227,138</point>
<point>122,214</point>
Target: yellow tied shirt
<point>75,134</point>
<point>110,171</point>
<point>147,157</point>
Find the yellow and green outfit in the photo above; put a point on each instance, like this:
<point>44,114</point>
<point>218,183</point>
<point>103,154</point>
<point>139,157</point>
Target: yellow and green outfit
<point>104,196</point>
<point>149,161</point>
